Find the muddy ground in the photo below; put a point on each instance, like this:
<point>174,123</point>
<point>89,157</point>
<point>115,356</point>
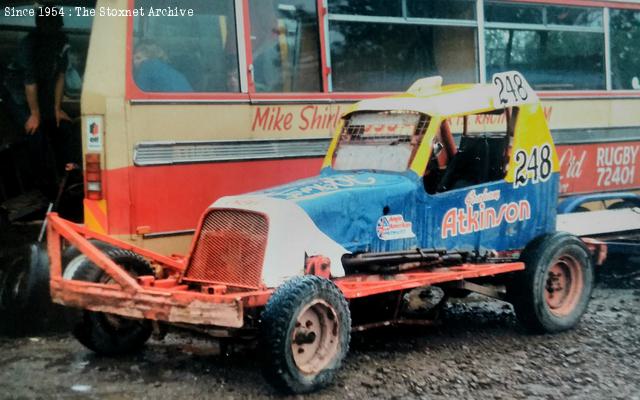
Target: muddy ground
<point>477,352</point>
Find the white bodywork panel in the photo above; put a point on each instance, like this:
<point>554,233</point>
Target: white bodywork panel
<point>599,222</point>
<point>474,99</point>
<point>292,234</point>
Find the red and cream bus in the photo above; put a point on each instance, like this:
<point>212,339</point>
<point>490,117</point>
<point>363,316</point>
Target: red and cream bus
<point>186,101</point>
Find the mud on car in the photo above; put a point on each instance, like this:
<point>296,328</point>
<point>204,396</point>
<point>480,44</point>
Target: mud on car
<point>411,207</point>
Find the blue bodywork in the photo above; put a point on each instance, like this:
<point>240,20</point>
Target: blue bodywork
<point>355,207</point>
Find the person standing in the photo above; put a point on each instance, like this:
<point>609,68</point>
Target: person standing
<point>36,88</point>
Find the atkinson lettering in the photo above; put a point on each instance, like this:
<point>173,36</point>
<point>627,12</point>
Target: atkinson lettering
<point>462,221</point>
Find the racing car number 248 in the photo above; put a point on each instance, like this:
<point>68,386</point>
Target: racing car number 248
<point>534,166</point>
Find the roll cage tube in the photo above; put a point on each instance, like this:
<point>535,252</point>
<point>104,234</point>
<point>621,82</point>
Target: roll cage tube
<point>423,155</point>
<point>420,158</point>
<point>385,140</point>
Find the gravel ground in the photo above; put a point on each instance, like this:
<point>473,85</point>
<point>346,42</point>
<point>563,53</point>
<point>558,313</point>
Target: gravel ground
<point>478,351</point>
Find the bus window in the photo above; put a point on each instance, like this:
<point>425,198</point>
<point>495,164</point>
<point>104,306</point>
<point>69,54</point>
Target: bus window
<point>559,48</point>
<point>184,54</point>
<point>383,8</point>
<point>369,54</point>
<point>285,45</point>
<point>448,9</point>
<point>625,49</point>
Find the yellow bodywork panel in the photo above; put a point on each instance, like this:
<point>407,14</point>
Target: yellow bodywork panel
<point>531,131</point>
<point>423,154</point>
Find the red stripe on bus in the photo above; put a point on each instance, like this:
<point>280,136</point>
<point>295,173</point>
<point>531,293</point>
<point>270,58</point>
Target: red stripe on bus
<point>589,93</point>
<point>248,45</point>
<point>583,3</point>
<point>322,12</point>
<point>130,87</point>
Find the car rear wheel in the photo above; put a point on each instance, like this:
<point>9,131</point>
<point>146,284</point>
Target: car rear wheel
<point>553,291</point>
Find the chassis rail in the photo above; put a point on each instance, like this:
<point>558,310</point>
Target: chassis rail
<point>170,300</point>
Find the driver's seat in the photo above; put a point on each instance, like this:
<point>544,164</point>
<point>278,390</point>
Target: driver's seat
<point>469,166</point>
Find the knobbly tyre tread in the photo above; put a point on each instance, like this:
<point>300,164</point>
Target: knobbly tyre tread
<point>72,253</point>
<point>277,322</point>
<point>525,291</point>
<point>71,259</point>
<point>24,284</point>
<point>92,329</point>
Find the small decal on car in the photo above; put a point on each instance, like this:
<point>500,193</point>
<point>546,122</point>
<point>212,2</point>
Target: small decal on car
<point>323,186</point>
<point>392,227</point>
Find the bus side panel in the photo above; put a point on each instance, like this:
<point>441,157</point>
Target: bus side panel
<point>172,197</point>
<point>599,167</point>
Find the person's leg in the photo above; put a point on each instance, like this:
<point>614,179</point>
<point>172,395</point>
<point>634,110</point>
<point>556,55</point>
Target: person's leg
<point>67,144</point>
<point>29,151</point>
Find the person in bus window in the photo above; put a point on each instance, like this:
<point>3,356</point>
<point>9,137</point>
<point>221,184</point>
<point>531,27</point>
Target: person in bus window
<point>35,87</point>
<point>153,73</point>
<point>265,43</point>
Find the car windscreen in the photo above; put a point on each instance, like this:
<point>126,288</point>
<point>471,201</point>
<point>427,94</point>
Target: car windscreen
<point>384,141</point>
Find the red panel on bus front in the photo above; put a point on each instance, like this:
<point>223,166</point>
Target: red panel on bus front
<point>173,197</point>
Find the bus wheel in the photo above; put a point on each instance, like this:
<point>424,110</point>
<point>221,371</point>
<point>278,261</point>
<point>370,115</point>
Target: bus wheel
<point>305,333</point>
<point>553,291</point>
<point>105,333</point>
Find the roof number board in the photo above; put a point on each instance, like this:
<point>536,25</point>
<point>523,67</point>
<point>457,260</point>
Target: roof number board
<point>511,89</point>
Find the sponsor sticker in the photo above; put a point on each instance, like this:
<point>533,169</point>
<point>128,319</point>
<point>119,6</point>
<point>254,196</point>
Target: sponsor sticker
<point>479,214</point>
<point>324,185</point>
<point>94,129</point>
<point>392,227</point>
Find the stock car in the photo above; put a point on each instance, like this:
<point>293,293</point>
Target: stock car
<point>415,203</point>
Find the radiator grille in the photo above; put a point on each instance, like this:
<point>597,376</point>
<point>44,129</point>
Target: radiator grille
<point>230,249</point>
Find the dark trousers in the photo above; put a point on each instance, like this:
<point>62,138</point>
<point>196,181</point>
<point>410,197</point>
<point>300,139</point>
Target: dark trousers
<point>49,149</point>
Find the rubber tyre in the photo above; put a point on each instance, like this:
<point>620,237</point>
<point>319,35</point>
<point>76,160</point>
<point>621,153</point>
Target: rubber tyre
<point>72,253</point>
<point>71,259</point>
<point>278,326</point>
<point>528,288</point>
<point>4,219</point>
<point>96,330</point>
<point>618,262</point>
<point>25,283</point>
